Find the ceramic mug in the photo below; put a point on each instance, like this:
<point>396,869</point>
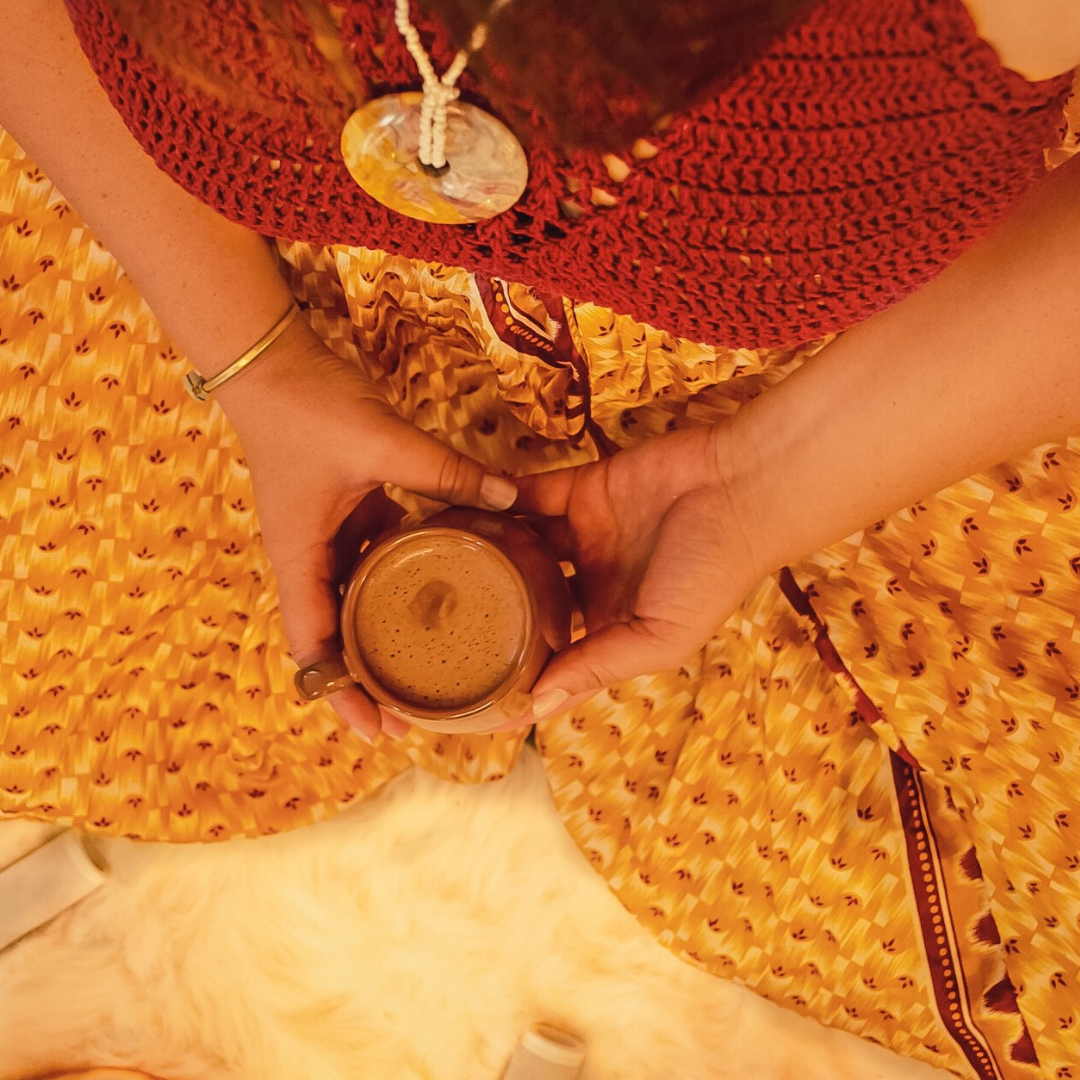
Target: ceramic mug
<point>449,621</point>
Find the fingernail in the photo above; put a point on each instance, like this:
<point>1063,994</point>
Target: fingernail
<point>546,703</point>
<point>364,735</point>
<point>497,493</point>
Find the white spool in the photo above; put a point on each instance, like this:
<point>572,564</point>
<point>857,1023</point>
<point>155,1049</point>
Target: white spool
<point>546,1053</point>
<point>46,882</point>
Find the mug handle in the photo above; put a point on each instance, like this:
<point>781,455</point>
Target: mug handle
<point>323,677</point>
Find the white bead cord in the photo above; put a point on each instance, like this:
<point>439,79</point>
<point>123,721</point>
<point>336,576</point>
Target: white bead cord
<point>438,92</point>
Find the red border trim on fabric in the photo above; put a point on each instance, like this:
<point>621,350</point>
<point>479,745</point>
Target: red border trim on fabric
<point>830,657</point>
<point>938,933</point>
<point>940,939</point>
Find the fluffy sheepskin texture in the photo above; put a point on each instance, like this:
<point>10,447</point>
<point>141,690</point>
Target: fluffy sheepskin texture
<point>411,938</point>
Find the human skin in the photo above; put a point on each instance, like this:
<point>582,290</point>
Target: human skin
<point>1038,39</point>
<point>670,535</point>
<point>979,364</point>
<point>317,435</point>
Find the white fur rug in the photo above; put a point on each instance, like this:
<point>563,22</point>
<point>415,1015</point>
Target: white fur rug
<point>411,938</point>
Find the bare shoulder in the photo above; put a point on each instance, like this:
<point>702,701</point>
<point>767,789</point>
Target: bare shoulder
<point>1037,38</point>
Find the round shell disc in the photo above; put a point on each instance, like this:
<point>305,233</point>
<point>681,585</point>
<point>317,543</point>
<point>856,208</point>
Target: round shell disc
<point>486,172</point>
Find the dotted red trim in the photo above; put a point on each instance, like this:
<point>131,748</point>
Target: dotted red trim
<point>946,971</point>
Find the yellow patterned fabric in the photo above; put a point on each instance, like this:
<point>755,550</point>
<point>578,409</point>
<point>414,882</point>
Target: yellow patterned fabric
<point>144,680</point>
<point>960,617</point>
<point>860,799</point>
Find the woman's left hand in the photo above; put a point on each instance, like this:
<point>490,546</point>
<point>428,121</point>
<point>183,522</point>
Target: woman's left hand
<point>664,551</point>
<point>320,441</point>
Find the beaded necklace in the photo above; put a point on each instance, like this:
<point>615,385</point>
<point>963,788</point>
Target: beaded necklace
<point>429,155</point>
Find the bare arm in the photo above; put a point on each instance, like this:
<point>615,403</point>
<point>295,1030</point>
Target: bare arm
<point>1039,38</point>
<point>981,363</point>
<point>672,534</point>
<point>317,434</point>
<point>165,239</point>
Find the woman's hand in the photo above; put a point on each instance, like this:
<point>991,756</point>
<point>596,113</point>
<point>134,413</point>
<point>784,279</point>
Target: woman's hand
<point>665,546</point>
<point>320,441</point>
<point>977,365</point>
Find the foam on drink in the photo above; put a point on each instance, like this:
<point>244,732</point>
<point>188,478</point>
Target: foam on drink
<point>441,620</point>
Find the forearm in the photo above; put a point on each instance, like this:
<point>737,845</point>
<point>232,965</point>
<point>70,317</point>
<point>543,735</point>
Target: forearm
<point>981,363</point>
<point>213,284</point>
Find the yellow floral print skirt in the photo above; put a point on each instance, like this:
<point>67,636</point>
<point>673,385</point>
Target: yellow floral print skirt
<point>860,798</point>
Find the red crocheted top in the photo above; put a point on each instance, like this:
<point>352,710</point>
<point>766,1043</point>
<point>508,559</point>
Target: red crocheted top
<point>851,162</point>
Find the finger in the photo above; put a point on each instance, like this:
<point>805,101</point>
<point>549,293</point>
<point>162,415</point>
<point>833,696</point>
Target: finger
<point>555,532</point>
<point>358,711</point>
<point>547,493</point>
<point>373,516</point>
<point>422,464</point>
<point>617,652</point>
<point>309,608</point>
<point>516,723</point>
<point>683,596</point>
<point>309,612</point>
<point>392,724</point>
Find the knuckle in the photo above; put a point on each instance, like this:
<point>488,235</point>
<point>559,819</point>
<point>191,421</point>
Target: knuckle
<point>597,673</point>
<point>663,645</point>
<point>453,475</point>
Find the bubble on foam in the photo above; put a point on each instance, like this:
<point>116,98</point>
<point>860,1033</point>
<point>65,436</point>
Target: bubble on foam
<point>458,658</point>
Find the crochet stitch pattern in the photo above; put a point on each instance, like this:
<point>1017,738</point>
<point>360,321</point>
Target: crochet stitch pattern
<point>845,167</point>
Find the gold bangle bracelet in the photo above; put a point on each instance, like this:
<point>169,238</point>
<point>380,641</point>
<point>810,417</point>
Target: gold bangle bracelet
<point>200,388</point>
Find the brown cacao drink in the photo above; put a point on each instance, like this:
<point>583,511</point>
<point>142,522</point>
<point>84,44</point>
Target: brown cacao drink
<point>449,621</point>
<point>441,620</point>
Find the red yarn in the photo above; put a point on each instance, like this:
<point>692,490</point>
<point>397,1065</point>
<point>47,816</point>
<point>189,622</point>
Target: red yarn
<point>864,151</point>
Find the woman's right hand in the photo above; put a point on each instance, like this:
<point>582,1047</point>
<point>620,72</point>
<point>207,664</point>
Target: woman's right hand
<point>319,439</point>
<point>977,365</point>
<point>666,544</point>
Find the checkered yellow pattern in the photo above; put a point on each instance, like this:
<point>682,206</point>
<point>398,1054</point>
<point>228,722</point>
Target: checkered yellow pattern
<point>740,807</point>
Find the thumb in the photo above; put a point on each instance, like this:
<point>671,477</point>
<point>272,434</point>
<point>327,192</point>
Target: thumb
<point>424,465</point>
<point>608,656</point>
